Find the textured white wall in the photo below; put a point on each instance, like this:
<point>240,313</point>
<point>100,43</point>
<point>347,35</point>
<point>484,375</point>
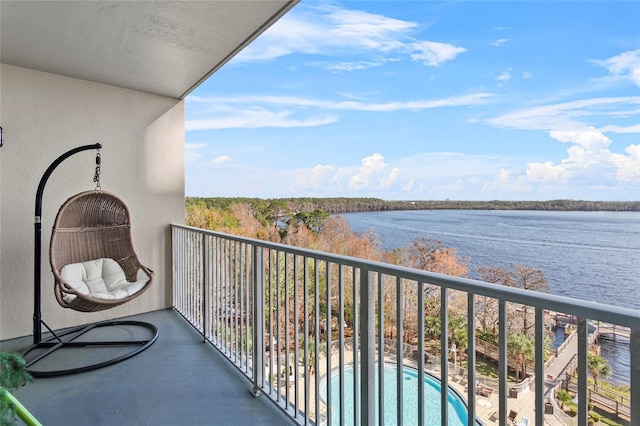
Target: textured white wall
<point>45,115</point>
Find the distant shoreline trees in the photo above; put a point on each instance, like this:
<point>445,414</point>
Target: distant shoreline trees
<point>351,205</point>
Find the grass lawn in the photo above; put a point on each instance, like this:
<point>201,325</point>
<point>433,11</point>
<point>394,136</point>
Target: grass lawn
<point>489,368</point>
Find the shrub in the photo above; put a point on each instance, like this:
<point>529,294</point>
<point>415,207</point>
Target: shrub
<point>12,376</point>
<point>564,397</point>
<point>573,410</point>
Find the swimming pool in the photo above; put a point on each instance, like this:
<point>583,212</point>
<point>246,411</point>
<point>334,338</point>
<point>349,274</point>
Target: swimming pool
<point>457,406</point>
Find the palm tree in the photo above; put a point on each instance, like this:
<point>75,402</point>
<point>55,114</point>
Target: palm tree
<point>564,397</point>
<point>598,366</point>
<point>521,347</point>
<point>458,333</point>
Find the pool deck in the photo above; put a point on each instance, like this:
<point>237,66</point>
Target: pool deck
<point>486,407</point>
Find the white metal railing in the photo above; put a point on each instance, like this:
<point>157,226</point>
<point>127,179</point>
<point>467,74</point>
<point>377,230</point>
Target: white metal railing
<point>271,309</point>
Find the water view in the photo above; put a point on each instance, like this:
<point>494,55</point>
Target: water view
<point>585,255</point>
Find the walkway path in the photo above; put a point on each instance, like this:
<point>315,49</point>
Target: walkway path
<point>562,361</point>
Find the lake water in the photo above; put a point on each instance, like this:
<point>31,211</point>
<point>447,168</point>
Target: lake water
<point>585,255</point>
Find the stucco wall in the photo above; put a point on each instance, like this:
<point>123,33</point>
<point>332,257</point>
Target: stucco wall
<point>43,116</point>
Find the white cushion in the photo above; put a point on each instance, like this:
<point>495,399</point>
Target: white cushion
<point>100,279</point>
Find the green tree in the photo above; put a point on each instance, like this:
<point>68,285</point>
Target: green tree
<point>458,332</point>
<point>598,366</point>
<point>521,348</point>
<point>271,211</point>
<point>312,220</point>
<point>564,397</point>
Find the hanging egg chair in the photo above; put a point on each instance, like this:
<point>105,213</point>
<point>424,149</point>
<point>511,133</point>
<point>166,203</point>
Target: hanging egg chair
<point>91,253</point>
<point>95,267</point>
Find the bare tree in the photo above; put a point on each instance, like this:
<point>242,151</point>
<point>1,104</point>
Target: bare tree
<point>519,276</point>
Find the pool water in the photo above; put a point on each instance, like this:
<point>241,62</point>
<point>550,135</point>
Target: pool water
<point>457,409</point>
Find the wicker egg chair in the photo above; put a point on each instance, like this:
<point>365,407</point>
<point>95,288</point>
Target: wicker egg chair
<point>93,225</point>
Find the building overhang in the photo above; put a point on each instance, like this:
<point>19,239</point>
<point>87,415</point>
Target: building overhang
<point>161,47</point>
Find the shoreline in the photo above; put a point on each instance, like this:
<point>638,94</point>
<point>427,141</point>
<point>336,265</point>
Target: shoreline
<point>339,205</point>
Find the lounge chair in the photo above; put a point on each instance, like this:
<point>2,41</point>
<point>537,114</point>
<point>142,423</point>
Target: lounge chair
<point>484,390</point>
<point>512,416</point>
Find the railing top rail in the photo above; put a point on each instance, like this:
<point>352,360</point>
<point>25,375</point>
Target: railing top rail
<point>577,307</point>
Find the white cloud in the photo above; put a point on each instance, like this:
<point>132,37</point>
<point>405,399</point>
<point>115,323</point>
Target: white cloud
<point>257,118</point>
<point>499,42</point>
<point>191,153</point>
<point>589,162</point>
<point>625,65</point>
<point>563,116</point>
<point>589,151</point>
<point>350,105</point>
<point>329,30</point>
<point>621,129</point>
<point>287,111</point>
<point>527,74</point>
<point>347,66</point>
<point>409,185</point>
<point>434,54</point>
<point>373,174</point>
<point>423,175</point>
<point>315,179</point>
<point>504,183</point>
<point>221,160</point>
<point>591,140</point>
<point>387,182</point>
<point>628,166</point>
<point>505,75</point>
<point>545,172</point>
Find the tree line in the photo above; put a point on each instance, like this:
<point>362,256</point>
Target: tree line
<point>350,205</point>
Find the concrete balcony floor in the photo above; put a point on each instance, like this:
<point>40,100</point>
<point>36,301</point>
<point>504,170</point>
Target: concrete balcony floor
<point>179,380</point>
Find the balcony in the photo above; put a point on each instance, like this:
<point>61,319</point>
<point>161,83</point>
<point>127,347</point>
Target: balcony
<point>277,319</point>
<point>178,380</point>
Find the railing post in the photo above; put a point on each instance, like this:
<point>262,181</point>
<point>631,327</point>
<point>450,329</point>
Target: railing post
<point>444,354</point>
<point>502,362</point>
<point>471,357</point>
<point>539,367</point>
<point>583,413</point>
<point>258,319</point>
<point>634,341</point>
<point>206,283</point>
<point>368,348</point>
<point>399,348</point>
<point>174,266</point>
<point>421,353</point>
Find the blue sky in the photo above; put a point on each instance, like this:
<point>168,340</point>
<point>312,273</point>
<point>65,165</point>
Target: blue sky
<point>421,100</point>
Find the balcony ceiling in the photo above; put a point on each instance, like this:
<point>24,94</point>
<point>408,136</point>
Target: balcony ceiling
<point>161,47</point>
